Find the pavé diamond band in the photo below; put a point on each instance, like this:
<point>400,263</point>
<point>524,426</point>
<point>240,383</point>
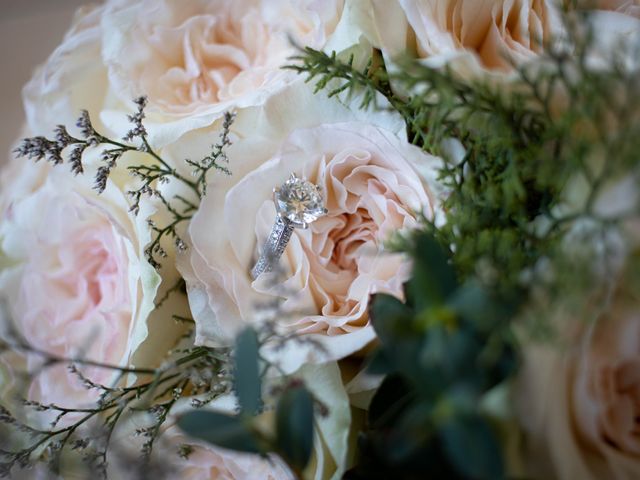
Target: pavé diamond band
<point>298,203</point>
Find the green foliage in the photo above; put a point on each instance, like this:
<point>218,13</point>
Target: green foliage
<point>511,209</point>
<point>525,140</point>
<point>246,377</point>
<point>294,426</point>
<point>472,447</point>
<point>441,350</point>
<point>225,431</point>
<point>336,76</point>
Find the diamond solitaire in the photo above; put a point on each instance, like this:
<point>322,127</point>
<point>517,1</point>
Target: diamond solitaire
<point>298,203</point>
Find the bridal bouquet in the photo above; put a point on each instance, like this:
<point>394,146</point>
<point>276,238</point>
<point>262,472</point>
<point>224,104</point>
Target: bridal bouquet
<point>360,239</point>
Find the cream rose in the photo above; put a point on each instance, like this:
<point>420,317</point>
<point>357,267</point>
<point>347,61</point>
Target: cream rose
<point>374,183</point>
<point>75,279</point>
<point>473,37</point>
<point>194,59</point>
<point>197,59</point>
<point>580,402</point>
<point>189,56</point>
<point>208,462</point>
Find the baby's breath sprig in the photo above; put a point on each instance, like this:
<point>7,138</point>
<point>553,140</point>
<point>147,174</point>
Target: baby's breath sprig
<point>152,176</point>
<point>89,429</point>
<point>216,160</point>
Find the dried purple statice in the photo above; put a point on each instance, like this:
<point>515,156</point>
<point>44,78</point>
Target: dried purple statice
<point>138,130</point>
<point>38,148</point>
<point>91,136</point>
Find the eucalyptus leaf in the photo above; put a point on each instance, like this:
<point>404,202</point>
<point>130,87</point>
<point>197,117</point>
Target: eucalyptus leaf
<point>389,401</point>
<point>222,430</point>
<point>247,372</point>
<point>472,448</point>
<point>434,279</point>
<point>389,317</point>
<point>294,426</point>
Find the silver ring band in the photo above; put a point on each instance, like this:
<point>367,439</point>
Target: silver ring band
<point>273,247</point>
<point>298,203</point>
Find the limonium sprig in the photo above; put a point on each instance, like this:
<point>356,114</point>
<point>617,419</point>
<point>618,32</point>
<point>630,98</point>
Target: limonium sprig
<point>179,208</point>
<point>201,372</point>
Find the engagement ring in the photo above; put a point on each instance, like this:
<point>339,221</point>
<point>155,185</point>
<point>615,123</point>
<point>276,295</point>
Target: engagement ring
<point>298,203</point>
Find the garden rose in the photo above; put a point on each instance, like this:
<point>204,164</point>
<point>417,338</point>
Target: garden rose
<point>373,183</point>
<point>206,461</point>
<point>197,59</point>
<point>76,281</point>
<point>194,59</point>
<point>580,403</point>
<point>73,78</point>
<point>190,56</point>
<point>473,37</point>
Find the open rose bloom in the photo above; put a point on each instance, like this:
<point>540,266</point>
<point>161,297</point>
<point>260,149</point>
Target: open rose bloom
<point>580,403</point>
<point>477,38</point>
<point>136,298</point>
<point>76,281</point>
<point>196,55</point>
<point>373,184</point>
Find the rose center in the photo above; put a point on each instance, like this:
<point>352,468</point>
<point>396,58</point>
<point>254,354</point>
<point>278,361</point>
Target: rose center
<point>358,230</point>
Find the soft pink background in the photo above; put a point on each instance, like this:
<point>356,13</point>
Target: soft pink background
<point>29,32</point>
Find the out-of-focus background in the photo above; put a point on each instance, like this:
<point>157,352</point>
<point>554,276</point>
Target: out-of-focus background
<point>29,31</point>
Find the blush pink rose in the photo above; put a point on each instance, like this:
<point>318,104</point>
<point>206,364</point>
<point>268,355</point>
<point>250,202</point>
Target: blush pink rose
<point>207,462</point>
<point>199,56</point>
<point>472,36</point>
<point>374,184</point>
<point>580,404</point>
<point>331,445</point>
<point>75,281</point>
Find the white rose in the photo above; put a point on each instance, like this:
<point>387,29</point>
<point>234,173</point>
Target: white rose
<point>373,182</point>
<point>206,461</point>
<point>579,399</point>
<point>475,38</point>
<point>194,59</point>
<point>73,272</point>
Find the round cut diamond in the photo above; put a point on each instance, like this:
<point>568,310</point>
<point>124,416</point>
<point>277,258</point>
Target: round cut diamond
<point>299,201</point>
